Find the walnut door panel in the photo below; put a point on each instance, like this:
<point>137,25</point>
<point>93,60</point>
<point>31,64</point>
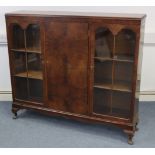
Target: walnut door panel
<point>67,58</point>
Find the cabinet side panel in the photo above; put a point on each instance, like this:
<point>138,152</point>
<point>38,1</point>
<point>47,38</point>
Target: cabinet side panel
<point>67,58</point>
<point>139,68</point>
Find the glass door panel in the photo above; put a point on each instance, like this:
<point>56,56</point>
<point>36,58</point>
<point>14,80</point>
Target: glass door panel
<point>35,87</point>
<point>21,88</point>
<point>104,43</point>
<point>34,63</point>
<point>34,66</point>
<point>33,38</point>
<point>18,40</point>
<point>102,101</point>
<point>103,74</point>
<point>27,56</point>
<point>113,71</point>
<point>121,102</point>
<point>125,45</point>
<point>20,68</point>
<point>122,78</point>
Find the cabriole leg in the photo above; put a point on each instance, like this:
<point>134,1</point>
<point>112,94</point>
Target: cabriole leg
<point>15,115</point>
<point>130,139</point>
<point>130,134</point>
<point>14,111</point>
<point>136,128</point>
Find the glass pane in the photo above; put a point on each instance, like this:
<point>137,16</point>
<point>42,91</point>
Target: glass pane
<point>104,43</point>
<point>103,74</point>
<point>34,63</point>
<point>102,100</point>
<point>28,74</point>
<point>121,104</point>
<point>35,89</point>
<point>125,44</point>
<point>20,64</point>
<point>122,76</point>
<point>18,38</point>
<point>21,88</point>
<point>34,66</point>
<point>33,38</point>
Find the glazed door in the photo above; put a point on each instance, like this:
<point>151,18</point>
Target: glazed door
<point>67,58</point>
<point>26,61</point>
<point>113,62</point>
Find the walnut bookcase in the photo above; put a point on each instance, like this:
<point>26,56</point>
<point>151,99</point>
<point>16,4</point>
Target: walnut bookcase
<point>80,66</point>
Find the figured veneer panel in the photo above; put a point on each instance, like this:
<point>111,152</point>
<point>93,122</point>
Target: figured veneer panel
<point>67,56</point>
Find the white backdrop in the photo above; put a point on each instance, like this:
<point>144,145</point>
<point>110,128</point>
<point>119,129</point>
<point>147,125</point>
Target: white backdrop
<point>148,65</point>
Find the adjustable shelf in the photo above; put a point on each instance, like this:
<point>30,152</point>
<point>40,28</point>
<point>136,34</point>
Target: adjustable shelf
<point>103,86</point>
<point>18,50</point>
<point>35,75</point>
<point>33,50</point>
<point>119,59</point>
<point>31,74</point>
<point>124,87</point>
<point>28,50</point>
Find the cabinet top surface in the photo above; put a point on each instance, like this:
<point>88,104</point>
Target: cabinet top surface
<point>81,14</point>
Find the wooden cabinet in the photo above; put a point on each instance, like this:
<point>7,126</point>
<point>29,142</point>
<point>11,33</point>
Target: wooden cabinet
<point>80,66</point>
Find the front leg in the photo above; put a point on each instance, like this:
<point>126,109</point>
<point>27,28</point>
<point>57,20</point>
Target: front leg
<point>14,111</point>
<point>136,128</point>
<point>130,135</point>
<point>15,115</point>
<point>130,139</point>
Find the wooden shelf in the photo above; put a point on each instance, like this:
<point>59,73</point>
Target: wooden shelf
<point>23,74</point>
<point>121,86</point>
<point>35,75</point>
<point>102,59</point>
<point>31,74</point>
<point>103,86</point>
<point>113,59</point>
<point>123,58</point>
<point>28,50</point>
<point>33,50</point>
<point>18,50</point>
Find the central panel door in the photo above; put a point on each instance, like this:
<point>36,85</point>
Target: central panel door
<point>67,61</point>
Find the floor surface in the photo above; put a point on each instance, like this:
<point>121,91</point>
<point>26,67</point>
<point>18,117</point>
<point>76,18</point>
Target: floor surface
<point>32,129</point>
